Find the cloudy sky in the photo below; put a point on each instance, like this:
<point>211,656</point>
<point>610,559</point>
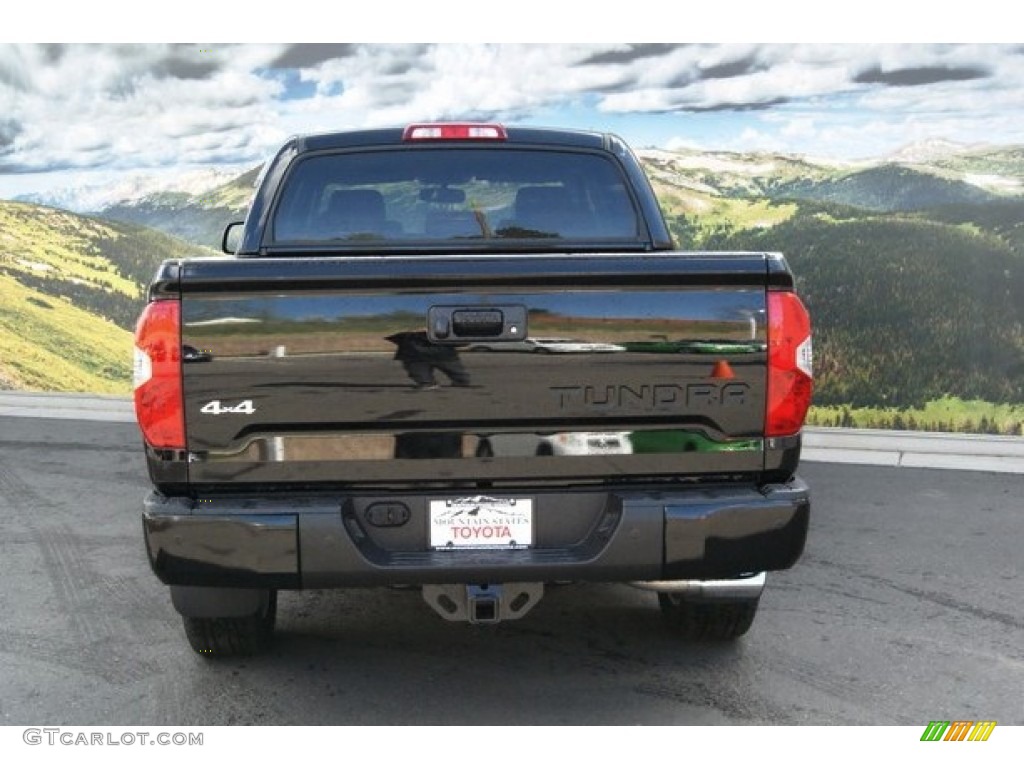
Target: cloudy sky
<point>73,114</point>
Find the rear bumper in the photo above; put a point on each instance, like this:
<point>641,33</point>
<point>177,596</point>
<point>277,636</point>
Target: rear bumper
<point>646,535</point>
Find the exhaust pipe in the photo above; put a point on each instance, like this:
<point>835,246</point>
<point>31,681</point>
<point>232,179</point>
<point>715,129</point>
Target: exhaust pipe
<point>709,590</point>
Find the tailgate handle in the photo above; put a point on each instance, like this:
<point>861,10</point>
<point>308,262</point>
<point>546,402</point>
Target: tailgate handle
<point>460,324</point>
<point>478,322</point>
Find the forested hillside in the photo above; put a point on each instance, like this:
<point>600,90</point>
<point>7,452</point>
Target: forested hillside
<point>905,311</point>
<point>914,275</point>
<point>913,271</point>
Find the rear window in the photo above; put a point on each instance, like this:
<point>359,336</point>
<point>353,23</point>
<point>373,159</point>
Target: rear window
<point>454,194</point>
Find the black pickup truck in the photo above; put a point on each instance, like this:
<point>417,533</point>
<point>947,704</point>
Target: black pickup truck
<point>466,358</point>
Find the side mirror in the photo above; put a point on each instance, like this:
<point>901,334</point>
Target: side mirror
<point>232,237</point>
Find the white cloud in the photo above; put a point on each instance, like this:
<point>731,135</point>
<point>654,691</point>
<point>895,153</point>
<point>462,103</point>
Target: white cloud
<point>134,106</point>
<point>396,84</point>
<point>800,128</point>
<point>153,106</point>
<point>753,139</point>
<point>682,142</point>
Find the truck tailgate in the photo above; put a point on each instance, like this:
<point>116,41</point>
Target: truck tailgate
<point>486,369</point>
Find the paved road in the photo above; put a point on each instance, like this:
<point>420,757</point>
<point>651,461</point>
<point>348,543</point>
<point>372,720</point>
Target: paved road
<point>906,608</point>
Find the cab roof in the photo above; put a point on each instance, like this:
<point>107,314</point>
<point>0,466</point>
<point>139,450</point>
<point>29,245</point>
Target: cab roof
<point>394,136</point>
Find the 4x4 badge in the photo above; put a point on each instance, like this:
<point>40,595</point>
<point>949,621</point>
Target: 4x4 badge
<point>214,407</point>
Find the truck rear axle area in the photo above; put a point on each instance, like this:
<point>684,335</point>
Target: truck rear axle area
<point>493,603</point>
<point>483,603</point>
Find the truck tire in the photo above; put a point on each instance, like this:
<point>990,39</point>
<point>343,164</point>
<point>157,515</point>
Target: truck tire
<point>232,635</point>
<point>707,620</point>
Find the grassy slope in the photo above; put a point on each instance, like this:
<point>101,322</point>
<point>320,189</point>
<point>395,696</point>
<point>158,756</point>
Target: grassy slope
<point>48,242</point>
<point>70,290</point>
<point>48,344</point>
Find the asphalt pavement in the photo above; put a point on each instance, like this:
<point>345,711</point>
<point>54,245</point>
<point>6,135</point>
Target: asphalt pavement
<point>904,609</point>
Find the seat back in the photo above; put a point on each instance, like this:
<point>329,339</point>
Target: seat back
<point>543,209</point>
<point>352,211</point>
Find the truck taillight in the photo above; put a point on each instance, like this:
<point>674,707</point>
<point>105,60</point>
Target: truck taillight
<point>790,357</point>
<point>453,131</point>
<point>159,404</point>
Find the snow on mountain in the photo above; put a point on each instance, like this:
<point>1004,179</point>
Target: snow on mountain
<point>929,150</point>
<point>95,197</point>
<point>993,182</point>
<point>710,162</point>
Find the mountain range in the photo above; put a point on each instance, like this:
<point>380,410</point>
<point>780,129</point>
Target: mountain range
<point>92,197</point>
<point>913,271</point>
<point>912,265</point>
<point>915,178</point>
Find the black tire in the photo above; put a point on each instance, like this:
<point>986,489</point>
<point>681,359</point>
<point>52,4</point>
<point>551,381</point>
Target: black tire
<point>707,620</point>
<point>234,635</point>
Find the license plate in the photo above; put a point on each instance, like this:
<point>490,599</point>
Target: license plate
<point>481,522</point>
